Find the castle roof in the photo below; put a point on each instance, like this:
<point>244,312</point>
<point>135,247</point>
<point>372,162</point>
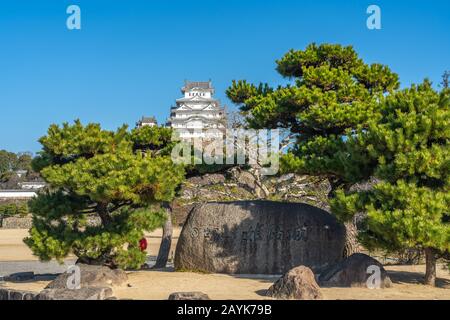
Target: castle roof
<point>193,117</point>
<point>196,99</point>
<point>204,85</point>
<point>148,120</point>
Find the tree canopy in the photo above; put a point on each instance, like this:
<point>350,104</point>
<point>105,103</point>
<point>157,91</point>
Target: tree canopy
<point>103,174</point>
<point>409,145</point>
<point>333,92</point>
<point>11,162</point>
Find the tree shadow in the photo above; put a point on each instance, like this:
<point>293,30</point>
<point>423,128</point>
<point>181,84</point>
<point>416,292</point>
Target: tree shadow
<point>407,277</point>
<point>29,277</point>
<point>165,269</point>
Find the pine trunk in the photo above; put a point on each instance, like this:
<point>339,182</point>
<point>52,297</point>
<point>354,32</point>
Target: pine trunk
<point>351,239</point>
<point>430,274</point>
<point>351,231</point>
<point>166,240</point>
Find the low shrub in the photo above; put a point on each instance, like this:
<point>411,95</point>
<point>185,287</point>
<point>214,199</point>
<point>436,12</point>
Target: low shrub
<point>13,209</point>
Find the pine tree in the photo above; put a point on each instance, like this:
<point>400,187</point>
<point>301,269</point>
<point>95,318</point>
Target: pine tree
<point>154,141</point>
<point>445,80</point>
<point>333,92</point>
<point>93,172</point>
<point>409,145</point>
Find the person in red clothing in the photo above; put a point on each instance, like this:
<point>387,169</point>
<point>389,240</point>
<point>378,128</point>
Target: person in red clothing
<point>143,244</point>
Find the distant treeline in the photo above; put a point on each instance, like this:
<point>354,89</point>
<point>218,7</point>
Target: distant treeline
<point>11,165</point>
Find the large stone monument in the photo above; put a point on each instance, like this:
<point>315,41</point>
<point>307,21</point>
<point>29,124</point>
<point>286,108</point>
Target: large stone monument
<point>258,237</point>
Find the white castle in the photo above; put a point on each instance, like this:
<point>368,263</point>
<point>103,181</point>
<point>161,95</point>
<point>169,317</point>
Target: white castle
<point>197,112</point>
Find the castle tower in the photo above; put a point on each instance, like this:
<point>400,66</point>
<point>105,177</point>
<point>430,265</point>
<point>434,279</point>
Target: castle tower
<point>197,111</point>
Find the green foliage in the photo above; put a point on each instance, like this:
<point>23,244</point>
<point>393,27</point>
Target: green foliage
<point>156,140</point>
<point>445,80</point>
<point>334,93</point>
<point>10,161</point>
<point>410,147</point>
<point>350,125</point>
<point>109,175</point>
<point>24,160</point>
<point>241,90</point>
<point>6,160</point>
<point>13,209</point>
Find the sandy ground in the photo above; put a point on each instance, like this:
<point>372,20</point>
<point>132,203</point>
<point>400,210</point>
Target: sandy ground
<point>12,247</point>
<point>158,284</point>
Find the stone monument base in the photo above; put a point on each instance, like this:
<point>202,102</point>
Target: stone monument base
<point>258,237</point>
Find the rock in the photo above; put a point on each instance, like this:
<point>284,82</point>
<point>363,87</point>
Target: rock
<point>246,179</point>
<point>17,222</point>
<point>92,276</point>
<point>258,237</point>
<point>180,212</point>
<point>4,294</point>
<point>29,296</point>
<point>13,294</point>
<point>286,177</point>
<point>86,293</point>
<point>207,179</point>
<point>298,283</point>
<point>354,272</point>
<point>215,178</point>
<point>196,295</point>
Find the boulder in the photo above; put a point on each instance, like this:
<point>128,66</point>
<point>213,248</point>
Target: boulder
<point>355,271</point>
<point>180,212</point>
<point>86,293</point>
<point>195,295</point>
<point>258,237</point>
<point>298,283</point>
<point>92,276</point>
<point>4,294</point>
<point>13,294</point>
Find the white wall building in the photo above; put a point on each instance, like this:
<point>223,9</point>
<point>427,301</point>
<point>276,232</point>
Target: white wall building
<point>32,185</point>
<point>197,111</point>
<point>17,194</point>
<point>146,121</point>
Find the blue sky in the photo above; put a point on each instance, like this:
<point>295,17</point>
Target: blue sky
<point>131,57</point>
